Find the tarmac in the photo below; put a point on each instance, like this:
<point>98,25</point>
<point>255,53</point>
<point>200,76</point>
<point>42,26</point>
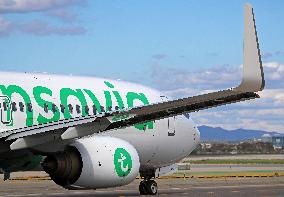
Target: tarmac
<point>200,180</point>
<point>220,187</point>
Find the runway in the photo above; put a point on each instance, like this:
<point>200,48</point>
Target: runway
<point>233,187</point>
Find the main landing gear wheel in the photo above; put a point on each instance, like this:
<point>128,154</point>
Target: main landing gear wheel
<point>148,187</point>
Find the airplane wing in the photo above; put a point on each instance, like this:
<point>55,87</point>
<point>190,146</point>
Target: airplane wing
<point>252,82</point>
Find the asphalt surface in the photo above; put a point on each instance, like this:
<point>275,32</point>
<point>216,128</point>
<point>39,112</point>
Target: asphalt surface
<point>233,187</point>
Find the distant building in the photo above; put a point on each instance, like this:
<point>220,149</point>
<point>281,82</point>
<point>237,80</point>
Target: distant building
<point>206,145</point>
<point>266,138</point>
<point>278,142</point>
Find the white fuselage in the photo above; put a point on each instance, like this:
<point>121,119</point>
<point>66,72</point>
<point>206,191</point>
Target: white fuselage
<point>42,98</point>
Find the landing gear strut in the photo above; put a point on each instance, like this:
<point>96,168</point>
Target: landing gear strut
<point>148,186</point>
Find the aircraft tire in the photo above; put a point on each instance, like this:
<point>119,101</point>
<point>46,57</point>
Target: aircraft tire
<point>148,187</point>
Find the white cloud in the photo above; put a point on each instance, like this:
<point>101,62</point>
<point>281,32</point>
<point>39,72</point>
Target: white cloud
<point>18,6</point>
<point>274,95</point>
<point>182,92</point>
<point>274,70</point>
<point>5,26</point>
<point>235,119</point>
<point>264,113</point>
<point>266,55</point>
<point>218,77</point>
<point>63,15</point>
<point>173,79</point>
<point>39,28</point>
<point>159,56</point>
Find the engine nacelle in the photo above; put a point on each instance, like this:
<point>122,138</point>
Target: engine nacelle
<point>95,162</point>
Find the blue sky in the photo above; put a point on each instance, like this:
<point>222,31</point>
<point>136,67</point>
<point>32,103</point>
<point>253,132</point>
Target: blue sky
<point>182,47</point>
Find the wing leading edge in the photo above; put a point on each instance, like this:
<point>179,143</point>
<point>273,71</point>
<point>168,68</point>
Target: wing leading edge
<point>252,82</point>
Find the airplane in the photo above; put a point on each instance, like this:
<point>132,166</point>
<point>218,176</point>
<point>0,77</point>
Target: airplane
<point>91,133</point>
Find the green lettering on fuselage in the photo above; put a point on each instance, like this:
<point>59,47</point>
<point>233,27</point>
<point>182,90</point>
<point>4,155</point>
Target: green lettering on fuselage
<point>78,94</point>
<point>37,91</point>
<point>94,99</point>
<point>14,89</point>
<point>115,93</point>
<point>131,97</point>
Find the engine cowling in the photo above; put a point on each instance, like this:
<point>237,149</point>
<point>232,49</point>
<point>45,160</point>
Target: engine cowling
<point>95,162</point>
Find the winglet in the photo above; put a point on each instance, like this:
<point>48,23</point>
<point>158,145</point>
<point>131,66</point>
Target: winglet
<point>253,76</point>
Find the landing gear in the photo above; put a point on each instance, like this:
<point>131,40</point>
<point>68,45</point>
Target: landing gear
<point>148,187</point>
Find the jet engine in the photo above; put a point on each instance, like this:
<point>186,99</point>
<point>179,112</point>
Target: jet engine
<point>94,162</point>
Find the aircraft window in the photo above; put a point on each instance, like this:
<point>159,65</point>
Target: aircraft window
<point>78,110</point>
<point>5,106</point>
<point>110,108</point>
<point>87,109</point>
<point>30,107</point>
<point>94,110</point>
<point>62,108</point>
<point>45,107</point>
<point>70,107</point>
<point>21,105</point>
<point>116,108</point>
<point>187,115</point>
<point>102,109</point>
<point>14,106</point>
<point>54,108</point>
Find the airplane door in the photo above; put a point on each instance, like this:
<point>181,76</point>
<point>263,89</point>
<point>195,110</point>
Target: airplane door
<point>5,110</point>
<point>171,121</point>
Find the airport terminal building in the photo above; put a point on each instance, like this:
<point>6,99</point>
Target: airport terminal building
<point>276,140</point>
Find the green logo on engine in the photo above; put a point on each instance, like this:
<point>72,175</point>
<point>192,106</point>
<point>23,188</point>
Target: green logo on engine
<point>122,162</point>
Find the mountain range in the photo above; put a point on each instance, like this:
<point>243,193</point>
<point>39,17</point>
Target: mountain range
<point>219,134</point>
